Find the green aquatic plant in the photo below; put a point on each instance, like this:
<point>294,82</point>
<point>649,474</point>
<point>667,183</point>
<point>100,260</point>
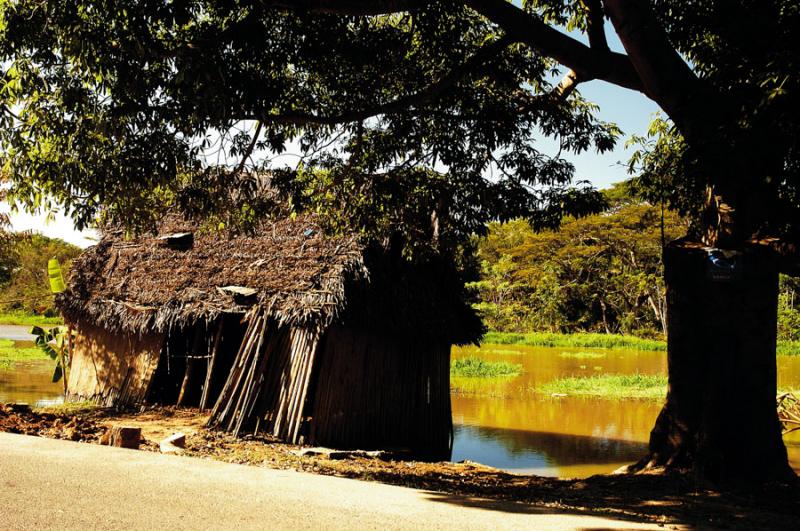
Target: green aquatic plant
<point>615,386</point>
<point>582,340</point>
<point>503,351</point>
<point>582,355</point>
<point>478,368</point>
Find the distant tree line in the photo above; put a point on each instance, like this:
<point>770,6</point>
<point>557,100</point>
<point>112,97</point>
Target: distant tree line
<point>24,285</point>
<point>600,273</point>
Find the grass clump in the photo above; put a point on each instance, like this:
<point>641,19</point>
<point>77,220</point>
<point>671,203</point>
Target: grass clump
<point>478,368</point>
<point>615,386</point>
<point>10,354</point>
<point>582,340</point>
<point>29,319</point>
<point>69,408</point>
<point>582,355</point>
<point>788,348</point>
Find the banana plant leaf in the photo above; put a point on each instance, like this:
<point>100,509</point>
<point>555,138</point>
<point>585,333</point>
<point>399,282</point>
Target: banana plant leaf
<point>58,373</point>
<point>53,342</point>
<point>56,278</point>
<point>43,340</point>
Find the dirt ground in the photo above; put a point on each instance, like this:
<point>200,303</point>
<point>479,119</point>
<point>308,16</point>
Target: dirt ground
<point>669,499</point>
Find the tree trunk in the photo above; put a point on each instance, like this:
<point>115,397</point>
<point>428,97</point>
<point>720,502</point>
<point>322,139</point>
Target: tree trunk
<point>720,416</point>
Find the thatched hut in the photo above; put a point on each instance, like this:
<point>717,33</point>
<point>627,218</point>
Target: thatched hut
<point>311,338</point>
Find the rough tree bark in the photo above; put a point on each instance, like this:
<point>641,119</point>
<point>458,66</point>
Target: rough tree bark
<point>720,416</point>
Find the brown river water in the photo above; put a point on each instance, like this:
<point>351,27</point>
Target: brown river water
<point>501,422</point>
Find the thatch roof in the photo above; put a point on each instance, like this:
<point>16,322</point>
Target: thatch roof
<point>304,277</point>
<point>157,282</point>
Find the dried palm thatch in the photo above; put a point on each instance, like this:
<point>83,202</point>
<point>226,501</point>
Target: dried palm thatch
<point>180,276</point>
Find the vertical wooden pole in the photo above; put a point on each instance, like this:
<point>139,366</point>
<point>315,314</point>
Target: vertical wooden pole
<point>191,361</point>
<point>210,367</point>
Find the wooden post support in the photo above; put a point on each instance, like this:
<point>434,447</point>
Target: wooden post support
<point>210,367</point>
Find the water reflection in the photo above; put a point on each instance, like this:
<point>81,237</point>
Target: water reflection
<point>551,436</point>
<point>30,382</point>
<point>546,454</point>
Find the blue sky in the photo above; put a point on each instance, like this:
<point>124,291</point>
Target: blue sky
<point>630,110</point>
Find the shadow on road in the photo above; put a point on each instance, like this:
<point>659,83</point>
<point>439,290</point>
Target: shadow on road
<point>670,499</point>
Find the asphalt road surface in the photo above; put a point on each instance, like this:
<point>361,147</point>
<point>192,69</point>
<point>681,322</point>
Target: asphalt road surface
<point>50,484</point>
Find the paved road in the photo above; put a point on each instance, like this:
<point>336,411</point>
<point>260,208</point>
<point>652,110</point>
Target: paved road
<point>49,484</point>
<point>16,332</point>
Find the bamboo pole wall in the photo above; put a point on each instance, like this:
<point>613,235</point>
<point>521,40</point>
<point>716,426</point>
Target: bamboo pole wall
<point>268,383</point>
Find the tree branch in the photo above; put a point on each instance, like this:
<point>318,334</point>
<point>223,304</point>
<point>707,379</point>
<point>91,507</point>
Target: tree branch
<point>666,77</point>
<point>250,149</point>
<point>567,85</point>
<point>588,64</point>
<point>594,25</point>
<point>426,95</point>
<point>5,109</point>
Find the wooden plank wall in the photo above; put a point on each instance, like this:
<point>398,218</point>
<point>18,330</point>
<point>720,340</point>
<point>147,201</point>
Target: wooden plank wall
<point>374,391</point>
<point>112,369</point>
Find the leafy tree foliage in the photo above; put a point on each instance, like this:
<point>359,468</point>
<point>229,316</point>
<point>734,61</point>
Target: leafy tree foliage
<point>789,309</point>
<point>27,288</point>
<point>9,259</point>
<point>601,273</point>
<point>123,107</point>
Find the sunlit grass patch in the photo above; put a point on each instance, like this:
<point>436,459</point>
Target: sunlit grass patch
<point>788,348</point>
<point>478,368</point>
<point>69,408</point>
<point>582,355</point>
<point>606,341</point>
<point>10,354</point>
<point>582,340</point>
<point>28,319</point>
<point>647,386</point>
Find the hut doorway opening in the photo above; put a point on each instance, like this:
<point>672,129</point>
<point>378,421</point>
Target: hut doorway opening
<point>195,361</point>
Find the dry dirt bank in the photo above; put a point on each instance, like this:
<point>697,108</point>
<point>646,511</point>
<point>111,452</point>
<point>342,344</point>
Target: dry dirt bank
<point>670,500</point>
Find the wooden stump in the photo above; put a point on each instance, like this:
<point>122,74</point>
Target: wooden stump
<point>125,437</point>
